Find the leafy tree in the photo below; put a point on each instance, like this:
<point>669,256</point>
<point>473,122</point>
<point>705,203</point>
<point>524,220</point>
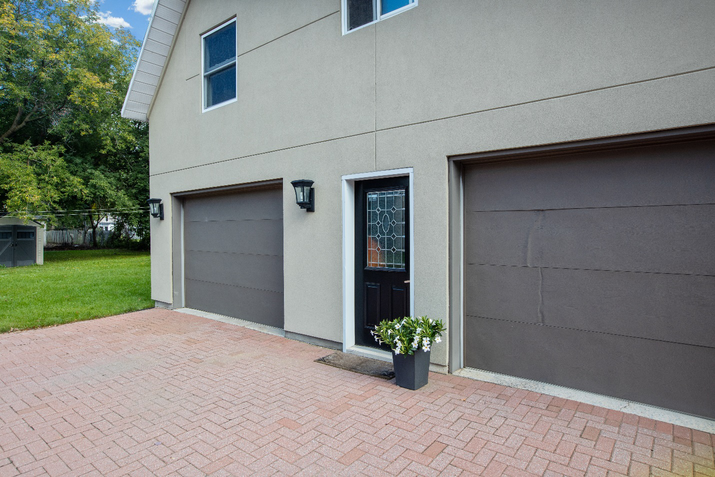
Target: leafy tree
<point>116,184</point>
<point>36,178</point>
<point>63,142</point>
<point>58,66</point>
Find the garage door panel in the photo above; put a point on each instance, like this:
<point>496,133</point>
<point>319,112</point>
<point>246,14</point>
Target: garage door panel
<point>506,293</point>
<point>233,254</point>
<point>502,238</point>
<point>236,236</point>
<point>674,239</point>
<point>243,303</point>
<point>254,205</point>
<point>655,372</point>
<point>250,271</point>
<point>596,179</point>
<point>655,306</point>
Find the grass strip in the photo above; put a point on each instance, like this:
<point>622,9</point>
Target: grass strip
<point>74,285</point>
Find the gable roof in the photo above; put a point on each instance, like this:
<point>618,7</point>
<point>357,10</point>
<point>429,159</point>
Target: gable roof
<point>7,220</point>
<point>158,41</point>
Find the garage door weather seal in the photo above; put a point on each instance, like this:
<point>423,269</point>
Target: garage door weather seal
<point>234,321</point>
<point>616,404</point>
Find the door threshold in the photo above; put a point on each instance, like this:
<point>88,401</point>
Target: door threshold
<point>383,355</point>
<point>373,353</point>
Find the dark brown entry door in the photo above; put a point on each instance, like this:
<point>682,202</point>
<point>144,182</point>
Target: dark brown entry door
<point>382,289</point>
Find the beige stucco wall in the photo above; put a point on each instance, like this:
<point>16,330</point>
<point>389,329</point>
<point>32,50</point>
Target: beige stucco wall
<point>445,78</point>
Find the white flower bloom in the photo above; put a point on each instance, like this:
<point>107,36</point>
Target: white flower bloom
<point>438,340</point>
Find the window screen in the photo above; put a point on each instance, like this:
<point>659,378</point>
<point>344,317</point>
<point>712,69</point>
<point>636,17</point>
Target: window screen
<point>220,65</point>
<point>362,12</point>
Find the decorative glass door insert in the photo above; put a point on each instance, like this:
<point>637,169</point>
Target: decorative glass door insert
<point>382,254</point>
<point>386,229</point>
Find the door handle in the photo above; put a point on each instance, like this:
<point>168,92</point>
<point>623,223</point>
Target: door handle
<point>407,281</point>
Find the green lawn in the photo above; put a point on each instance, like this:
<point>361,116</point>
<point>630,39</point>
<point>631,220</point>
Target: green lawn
<point>74,285</point>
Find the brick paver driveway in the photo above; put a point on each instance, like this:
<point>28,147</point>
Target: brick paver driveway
<point>165,393</point>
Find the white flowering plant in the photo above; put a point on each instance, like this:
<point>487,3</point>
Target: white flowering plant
<point>407,335</point>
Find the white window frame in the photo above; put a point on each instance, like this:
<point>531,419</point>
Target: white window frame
<point>378,17</point>
<point>203,66</point>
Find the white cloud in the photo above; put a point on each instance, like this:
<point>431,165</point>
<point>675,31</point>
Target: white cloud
<point>114,22</point>
<point>143,6</point>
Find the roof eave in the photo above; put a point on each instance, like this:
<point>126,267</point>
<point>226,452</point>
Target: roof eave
<point>153,56</point>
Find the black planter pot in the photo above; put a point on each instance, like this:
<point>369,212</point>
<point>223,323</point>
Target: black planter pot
<point>411,371</point>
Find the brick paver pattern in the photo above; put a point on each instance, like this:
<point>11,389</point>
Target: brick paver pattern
<point>164,393</point>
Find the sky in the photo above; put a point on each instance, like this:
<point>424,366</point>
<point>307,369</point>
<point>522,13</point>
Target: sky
<point>131,14</point>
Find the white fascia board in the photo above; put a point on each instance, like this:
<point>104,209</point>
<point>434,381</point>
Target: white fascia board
<point>156,48</point>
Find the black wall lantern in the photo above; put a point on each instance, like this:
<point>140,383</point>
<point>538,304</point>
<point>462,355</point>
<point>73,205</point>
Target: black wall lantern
<point>304,194</point>
<point>156,208</point>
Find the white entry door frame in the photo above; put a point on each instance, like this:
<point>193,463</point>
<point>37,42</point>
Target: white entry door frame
<point>348,189</point>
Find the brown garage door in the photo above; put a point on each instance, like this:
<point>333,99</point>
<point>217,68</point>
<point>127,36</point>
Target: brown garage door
<point>596,271</point>
<point>233,255</point>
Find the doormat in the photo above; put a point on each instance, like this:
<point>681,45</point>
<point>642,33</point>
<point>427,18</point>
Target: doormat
<point>358,364</point>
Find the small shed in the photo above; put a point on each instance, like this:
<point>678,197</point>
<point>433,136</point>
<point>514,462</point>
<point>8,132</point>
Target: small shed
<point>21,243</point>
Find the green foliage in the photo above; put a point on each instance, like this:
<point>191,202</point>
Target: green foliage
<point>63,142</point>
<point>121,241</point>
<point>35,179</point>
<point>58,66</point>
<point>407,335</point>
<point>72,286</point>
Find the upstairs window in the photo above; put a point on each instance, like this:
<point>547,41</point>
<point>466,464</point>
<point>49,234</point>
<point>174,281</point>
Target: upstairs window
<point>358,13</point>
<point>219,65</point>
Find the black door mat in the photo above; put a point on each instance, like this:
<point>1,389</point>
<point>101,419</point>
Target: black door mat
<point>358,364</point>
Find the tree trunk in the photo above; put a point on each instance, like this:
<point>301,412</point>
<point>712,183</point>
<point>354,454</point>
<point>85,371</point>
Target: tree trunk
<point>94,231</point>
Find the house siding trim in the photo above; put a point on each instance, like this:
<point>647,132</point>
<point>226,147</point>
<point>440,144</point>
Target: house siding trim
<point>166,19</point>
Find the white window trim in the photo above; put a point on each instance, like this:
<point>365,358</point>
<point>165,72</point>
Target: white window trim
<point>378,15</point>
<point>203,65</point>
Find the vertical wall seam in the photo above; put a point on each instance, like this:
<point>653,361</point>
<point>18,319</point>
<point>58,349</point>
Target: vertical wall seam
<point>541,296</point>
<point>374,99</point>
